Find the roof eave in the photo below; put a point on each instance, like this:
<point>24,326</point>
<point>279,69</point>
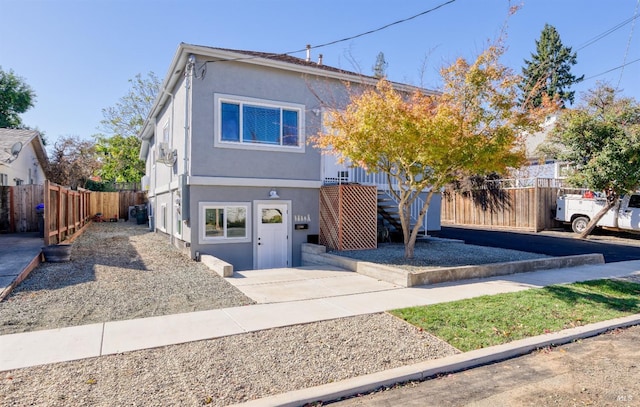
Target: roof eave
<point>184,50</point>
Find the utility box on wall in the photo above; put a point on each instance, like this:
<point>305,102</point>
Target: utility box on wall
<point>348,217</point>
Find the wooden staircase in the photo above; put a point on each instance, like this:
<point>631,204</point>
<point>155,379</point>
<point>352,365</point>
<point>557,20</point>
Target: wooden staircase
<point>388,214</point>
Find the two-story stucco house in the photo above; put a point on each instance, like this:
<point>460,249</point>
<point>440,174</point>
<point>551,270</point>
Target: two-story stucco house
<point>229,171</point>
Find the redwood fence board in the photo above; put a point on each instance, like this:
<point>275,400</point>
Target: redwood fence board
<point>527,208</point>
<point>66,211</point>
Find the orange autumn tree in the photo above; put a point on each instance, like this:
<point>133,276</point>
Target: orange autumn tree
<point>425,141</point>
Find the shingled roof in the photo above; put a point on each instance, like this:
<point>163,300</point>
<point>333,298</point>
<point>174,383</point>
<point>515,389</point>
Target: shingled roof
<point>284,58</point>
<point>207,54</point>
<point>9,137</point>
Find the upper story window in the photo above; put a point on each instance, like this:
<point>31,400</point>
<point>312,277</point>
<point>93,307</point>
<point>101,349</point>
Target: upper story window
<point>166,133</point>
<point>258,124</point>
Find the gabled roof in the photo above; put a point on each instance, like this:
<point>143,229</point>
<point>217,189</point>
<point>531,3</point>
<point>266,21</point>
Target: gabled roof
<point>284,58</point>
<point>279,61</point>
<point>9,137</point>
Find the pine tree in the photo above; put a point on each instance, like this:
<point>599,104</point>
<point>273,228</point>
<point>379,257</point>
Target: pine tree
<point>549,71</point>
<point>380,68</point>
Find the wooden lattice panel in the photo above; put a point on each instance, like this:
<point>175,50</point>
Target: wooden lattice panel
<point>348,217</point>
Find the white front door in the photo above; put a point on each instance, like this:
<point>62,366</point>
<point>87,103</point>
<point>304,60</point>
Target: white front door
<point>272,238</point>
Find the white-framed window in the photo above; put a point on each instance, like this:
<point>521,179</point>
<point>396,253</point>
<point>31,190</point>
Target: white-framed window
<point>178,217</point>
<point>166,132</point>
<point>225,222</point>
<point>163,217</point>
<point>4,179</point>
<point>250,123</point>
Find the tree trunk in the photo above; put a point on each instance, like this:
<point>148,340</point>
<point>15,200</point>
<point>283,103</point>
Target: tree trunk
<point>593,222</point>
<point>405,221</point>
<point>409,250</point>
<point>410,236</point>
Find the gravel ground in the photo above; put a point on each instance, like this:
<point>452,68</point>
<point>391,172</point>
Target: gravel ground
<point>228,370</point>
<point>430,254</point>
<point>117,271</point>
<point>121,271</point>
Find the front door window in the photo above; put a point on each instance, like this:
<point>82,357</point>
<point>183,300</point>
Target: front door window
<point>272,237</point>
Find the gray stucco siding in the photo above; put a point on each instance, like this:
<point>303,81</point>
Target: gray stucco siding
<point>269,85</point>
<point>173,116</point>
<point>304,201</point>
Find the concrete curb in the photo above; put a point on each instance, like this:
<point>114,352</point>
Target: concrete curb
<point>424,370</point>
<point>313,254</point>
<point>448,274</point>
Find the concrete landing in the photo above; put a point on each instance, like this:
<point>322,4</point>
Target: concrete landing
<point>304,283</point>
<point>19,254</point>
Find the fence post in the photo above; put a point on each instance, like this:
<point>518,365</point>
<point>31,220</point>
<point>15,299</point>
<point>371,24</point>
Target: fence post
<point>12,220</point>
<point>47,212</point>
<point>536,209</point>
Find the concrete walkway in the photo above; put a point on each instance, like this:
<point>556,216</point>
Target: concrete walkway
<point>19,254</point>
<point>66,344</point>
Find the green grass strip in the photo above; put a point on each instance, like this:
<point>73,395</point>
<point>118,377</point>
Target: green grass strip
<point>495,319</point>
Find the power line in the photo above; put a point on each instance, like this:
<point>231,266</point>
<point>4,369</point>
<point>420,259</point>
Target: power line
<point>404,20</point>
<point>612,69</point>
<point>626,52</point>
<point>607,32</point>
<point>347,38</point>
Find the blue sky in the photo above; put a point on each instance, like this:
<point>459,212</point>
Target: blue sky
<point>79,54</point>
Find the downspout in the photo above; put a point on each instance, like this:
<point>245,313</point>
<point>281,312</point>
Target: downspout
<point>185,202</point>
<point>187,124</point>
<point>165,91</point>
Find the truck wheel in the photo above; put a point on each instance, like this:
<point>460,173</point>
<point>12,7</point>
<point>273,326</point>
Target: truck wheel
<point>579,224</point>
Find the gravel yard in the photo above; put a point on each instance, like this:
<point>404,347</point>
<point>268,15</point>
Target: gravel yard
<point>122,271</point>
<point>429,254</point>
<point>117,271</point>
<point>228,370</point>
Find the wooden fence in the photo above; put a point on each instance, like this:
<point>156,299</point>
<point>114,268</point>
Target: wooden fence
<point>530,207</point>
<point>18,208</point>
<point>115,204</point>
<point>65,211</point>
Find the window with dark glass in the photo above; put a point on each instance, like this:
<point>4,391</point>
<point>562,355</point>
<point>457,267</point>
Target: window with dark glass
<point>230,122</point>
<point>261,125</point>
<point>225,222</point>
<point>242,122</point>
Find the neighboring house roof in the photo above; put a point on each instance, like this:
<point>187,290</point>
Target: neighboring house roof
<point>533,141</point>
<point>10,137</point>
<point>280,61</point>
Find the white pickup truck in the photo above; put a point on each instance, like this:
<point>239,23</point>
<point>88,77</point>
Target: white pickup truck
<point>578,210</point>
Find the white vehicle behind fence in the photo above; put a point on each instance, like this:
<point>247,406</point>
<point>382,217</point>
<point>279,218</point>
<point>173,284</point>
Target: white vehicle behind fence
<point>577,210</point>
